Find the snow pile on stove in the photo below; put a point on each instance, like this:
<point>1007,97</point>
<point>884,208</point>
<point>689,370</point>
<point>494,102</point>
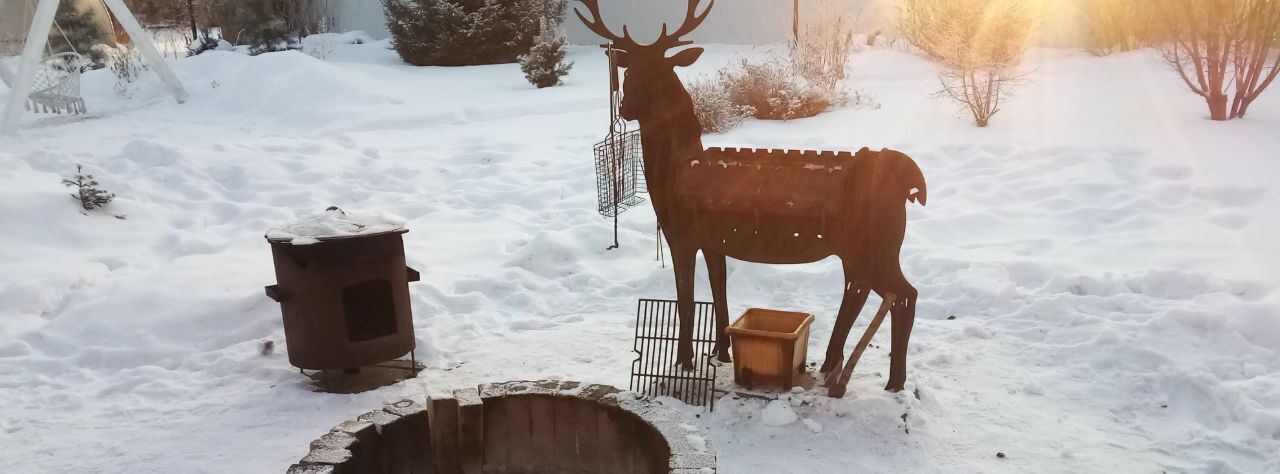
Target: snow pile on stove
<point>336,223</point>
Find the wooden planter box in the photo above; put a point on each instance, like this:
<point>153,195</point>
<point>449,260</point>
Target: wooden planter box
<point>769,347</point>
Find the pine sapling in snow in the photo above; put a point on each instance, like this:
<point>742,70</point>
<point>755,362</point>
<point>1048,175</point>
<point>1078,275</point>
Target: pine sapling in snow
<point>87,190</point>
<point>544,64</point>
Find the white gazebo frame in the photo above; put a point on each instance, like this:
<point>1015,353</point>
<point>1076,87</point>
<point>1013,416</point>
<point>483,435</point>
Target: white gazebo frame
<point>41,24</point>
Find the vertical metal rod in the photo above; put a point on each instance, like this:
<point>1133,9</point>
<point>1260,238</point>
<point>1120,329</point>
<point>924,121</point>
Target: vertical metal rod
<point>657,244</point>
<point>659,369</point>
<point>613,139</point>
<point>705,368</point>
<point>635,347</point>
<point>686,376</point>
<point>671,348</point>
<point>646,344</point>
<point>645,347</point>
<point>708,327</point>
<point>651,346</point>
<point>691,384</point>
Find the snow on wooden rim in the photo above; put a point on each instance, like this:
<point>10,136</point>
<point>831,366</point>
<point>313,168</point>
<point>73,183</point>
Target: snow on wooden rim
<point>335,223</point>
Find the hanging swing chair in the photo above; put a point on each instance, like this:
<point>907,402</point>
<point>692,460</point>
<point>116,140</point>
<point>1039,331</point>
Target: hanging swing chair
<point>52,84</point>
<point>57,85</point>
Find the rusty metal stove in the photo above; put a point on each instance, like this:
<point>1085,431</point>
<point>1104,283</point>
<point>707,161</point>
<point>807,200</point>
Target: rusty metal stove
<point>345,300</point>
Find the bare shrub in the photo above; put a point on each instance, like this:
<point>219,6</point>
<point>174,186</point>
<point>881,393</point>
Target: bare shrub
<point>777,91</point>
<point>128,65</point>
<point>807,82</point>
<point>714,106</point>
<point>978,45</point>
<point>315,46</point>
<point>860,99</point>
<point>821,53</point>
<point>1224,50</point>
<point>1110,26</point>
<point>1113,26</point>
<point>918,20</point>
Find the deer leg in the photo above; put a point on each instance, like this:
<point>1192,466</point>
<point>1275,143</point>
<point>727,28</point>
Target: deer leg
<point>904,317</point>
<point>837,389</point>
<point>684,263</point>
<point>855,297</point>
<point>717,273</point>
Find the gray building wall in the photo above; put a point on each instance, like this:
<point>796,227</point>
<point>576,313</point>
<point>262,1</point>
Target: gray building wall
<point>363,15</point>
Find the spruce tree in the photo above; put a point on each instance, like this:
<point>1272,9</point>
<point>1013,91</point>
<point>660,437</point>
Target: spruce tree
<point>81,30</point>
<point>544,64</point>
<point>466,32</point>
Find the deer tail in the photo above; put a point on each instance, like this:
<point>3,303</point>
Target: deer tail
<point>909,173</point>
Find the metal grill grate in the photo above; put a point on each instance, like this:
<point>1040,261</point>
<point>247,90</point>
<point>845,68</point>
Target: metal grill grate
<point>618,163</point>
<point>654,372</point>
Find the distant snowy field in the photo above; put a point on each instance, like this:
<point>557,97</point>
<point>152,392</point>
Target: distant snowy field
<point>1110,256</point>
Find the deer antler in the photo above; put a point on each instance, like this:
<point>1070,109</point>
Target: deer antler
<point>626,43</point>
<point>597,26</point>
<point>691,22</point>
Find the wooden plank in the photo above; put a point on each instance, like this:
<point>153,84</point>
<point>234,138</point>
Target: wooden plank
<point>470,431</point>
<point>542,426</point>
<point>612,450</point>
<point>497,439</point>
<point>583,415</point>
<point>444,433</point>
<point>519,432</point>
<point>565,439</point>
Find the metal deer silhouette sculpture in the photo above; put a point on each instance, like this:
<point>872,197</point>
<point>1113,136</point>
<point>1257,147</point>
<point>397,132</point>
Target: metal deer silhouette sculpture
<point>766,206</point>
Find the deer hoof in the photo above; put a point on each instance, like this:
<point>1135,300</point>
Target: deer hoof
<point>832,380</point>
<point>836,391</point>
<point>831,369</point>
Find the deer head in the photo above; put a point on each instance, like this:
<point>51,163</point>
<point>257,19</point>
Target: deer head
<point>651,89</point>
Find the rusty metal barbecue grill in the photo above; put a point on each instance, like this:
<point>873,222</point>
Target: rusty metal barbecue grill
<point>345,300</point>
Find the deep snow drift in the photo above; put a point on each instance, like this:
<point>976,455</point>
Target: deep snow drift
<point>1107,252</point>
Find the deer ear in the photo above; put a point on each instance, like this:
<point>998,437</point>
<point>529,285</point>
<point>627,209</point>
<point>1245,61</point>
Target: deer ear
<point>685,58</point>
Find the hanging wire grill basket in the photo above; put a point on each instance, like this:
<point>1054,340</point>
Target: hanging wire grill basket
<point>619,171</point>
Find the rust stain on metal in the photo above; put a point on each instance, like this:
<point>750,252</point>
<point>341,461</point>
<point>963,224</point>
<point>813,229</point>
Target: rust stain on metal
<point>345,301</point>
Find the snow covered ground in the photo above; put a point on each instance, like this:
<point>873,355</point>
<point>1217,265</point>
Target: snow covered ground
<point>1108,254</point>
